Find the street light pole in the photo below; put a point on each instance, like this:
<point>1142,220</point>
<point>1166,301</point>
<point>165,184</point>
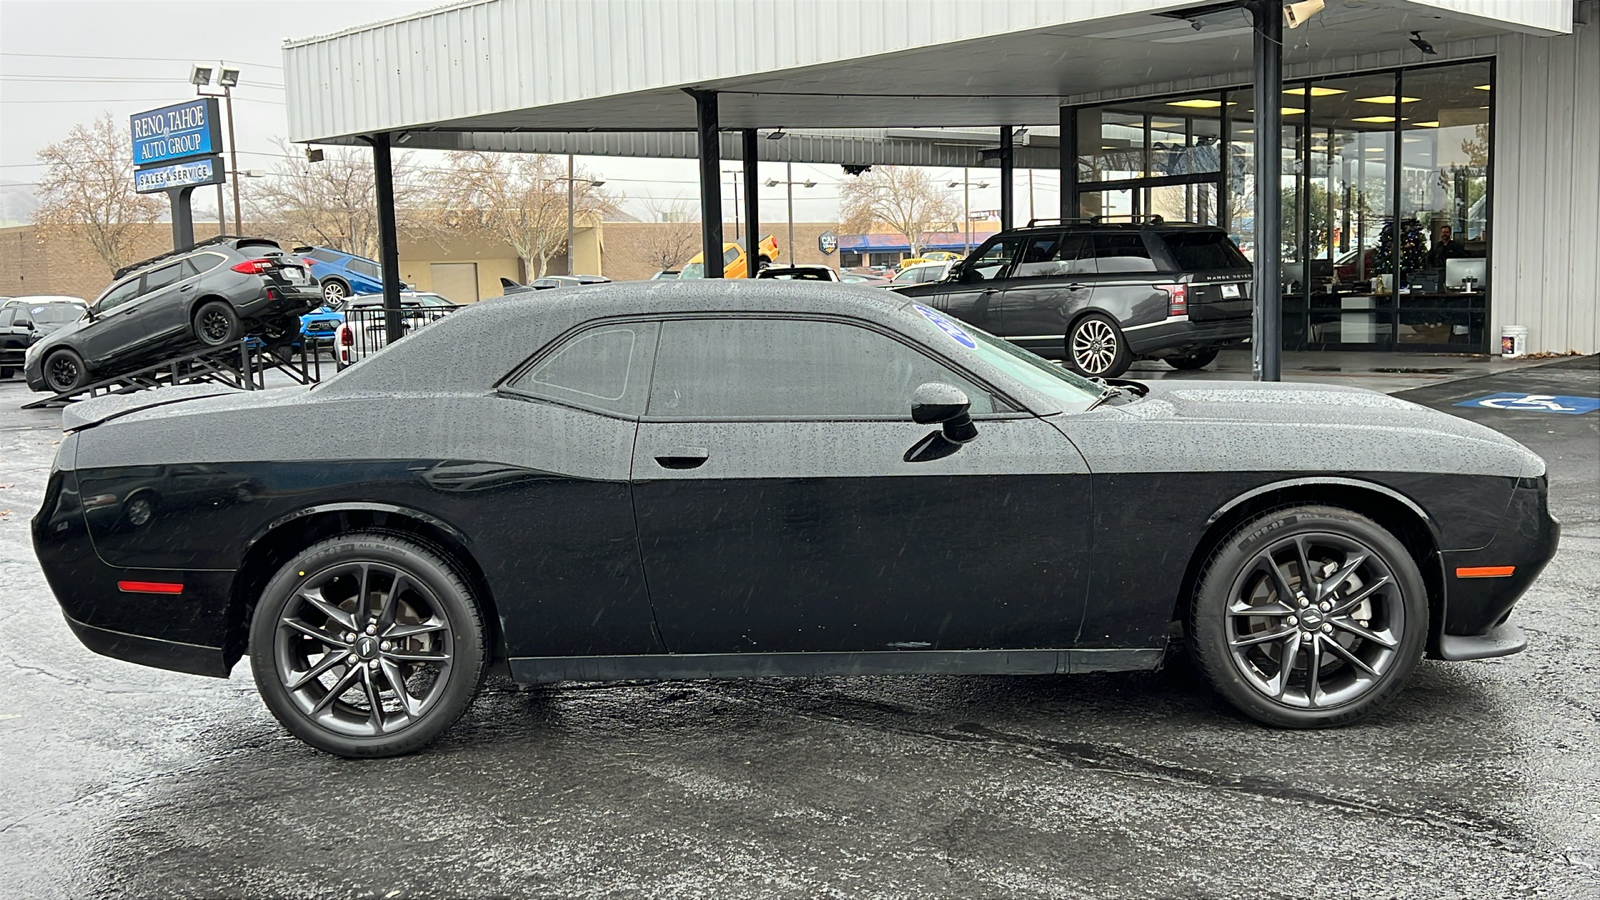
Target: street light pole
<point>233,159</point>
<point>571,214</point>
<point>790,183</point>
<point>966,213</point>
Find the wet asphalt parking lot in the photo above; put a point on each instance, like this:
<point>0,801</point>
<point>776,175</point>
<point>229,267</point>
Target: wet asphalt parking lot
<point>1483,780</point>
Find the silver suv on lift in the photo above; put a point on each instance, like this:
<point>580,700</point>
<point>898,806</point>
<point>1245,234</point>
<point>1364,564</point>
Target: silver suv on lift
<point>1098,294</point>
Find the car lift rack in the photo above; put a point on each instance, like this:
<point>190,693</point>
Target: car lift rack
<point>242,365</point>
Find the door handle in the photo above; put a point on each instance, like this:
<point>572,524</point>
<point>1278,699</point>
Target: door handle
<point>187,287</point>
<point>1076,286</point>
<point>684,458</point>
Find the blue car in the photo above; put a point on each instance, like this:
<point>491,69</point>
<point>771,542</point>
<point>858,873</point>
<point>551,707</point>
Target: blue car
<point>342,274</point>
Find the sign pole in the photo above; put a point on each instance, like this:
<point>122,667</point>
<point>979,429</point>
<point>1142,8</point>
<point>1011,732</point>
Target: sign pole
<point>182,217</point>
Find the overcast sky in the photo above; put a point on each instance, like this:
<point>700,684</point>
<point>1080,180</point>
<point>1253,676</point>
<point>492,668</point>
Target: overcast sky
<point>64,62</point>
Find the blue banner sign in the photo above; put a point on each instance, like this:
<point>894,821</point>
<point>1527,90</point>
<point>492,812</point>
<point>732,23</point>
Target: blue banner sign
<point>1539,403</point>
<point>175,132</point>
<point>189,173</point>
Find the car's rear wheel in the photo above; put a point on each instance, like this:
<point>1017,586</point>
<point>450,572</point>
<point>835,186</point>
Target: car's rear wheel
<point>1309,617</point>
<point>216,324</point>
<point>1096,347</point>
<point>1196,360</point>
<point>64,371</point>
<point>334,292</point>
<point>368,644</point>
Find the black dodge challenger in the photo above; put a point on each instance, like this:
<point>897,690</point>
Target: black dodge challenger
<point>730,479</point>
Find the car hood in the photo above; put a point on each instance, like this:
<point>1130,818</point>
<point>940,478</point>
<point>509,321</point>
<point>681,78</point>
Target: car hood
<point>1219,425</point>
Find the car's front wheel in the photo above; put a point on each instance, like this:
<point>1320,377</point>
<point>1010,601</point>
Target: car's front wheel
<point>368,644</point>
<point>1309,617</point>
<point>64,371</point>
<point>1196,360</point>
<point>1096,348</point>
<point>216,323</point>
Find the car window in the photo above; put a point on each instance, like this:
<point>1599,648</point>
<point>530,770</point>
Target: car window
<point>606,367</point>
<point>1200,250</point>
<point>321,255</point>
<point>363,267</point>
<point>57,313</point>
<point>162,277</point>
<point>6,316</point>
<point>1121,252</point>
<point>201,263</point>
<point>993,259</point>
<point>1052,254</point>
<point>118,295</point>
<point>788,368</point>
<point>729,255</point>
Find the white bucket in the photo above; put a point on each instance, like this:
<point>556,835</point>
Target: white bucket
<point>1513,341</point>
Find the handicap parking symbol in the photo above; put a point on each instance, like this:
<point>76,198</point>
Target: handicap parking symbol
<point>1539,403</point>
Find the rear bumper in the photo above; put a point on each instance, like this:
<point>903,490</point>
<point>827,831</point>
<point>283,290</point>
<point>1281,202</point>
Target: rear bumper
<point>194,659</point>
<point>1179,333</point>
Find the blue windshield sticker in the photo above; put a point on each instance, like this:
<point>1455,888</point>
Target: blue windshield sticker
<point>948,327</point>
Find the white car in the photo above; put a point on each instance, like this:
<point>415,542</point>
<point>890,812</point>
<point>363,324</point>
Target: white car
<point>922,273</point>
<point>800,273</point>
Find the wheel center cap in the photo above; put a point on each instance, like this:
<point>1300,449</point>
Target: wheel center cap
<point>1310,619</point>
<point>367,647</point>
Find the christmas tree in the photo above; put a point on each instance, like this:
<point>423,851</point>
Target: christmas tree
<point>1413,247</point>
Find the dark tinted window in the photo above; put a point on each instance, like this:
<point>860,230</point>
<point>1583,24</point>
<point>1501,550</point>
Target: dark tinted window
<point>1200,250</point>
<point>321,255</point>
<point>1122,252</point>
<point>729,255</point>
<point>746,368</point>
<point>363,267</point>
<point>992,259</point>
<point>202,263</point>
<point>607,367</point>
<point>1052,253</point>
<point>119,295</point>
<point>160,278</point>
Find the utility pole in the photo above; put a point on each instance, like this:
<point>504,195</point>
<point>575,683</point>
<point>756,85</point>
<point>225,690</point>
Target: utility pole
<point>571,214</point>
<point>790,183</point>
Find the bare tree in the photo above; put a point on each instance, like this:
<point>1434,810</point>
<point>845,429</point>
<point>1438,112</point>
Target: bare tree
<point>902,197</point>
<point>88,187</point>
<point>517,198</point>
<point>677,236</point>
<point>332,202</point>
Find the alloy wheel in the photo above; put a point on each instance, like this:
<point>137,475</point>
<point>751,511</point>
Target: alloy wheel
<point>363,649</point>
<point>62,373</point>
<point>215,325</point>
<point>1315,621</point>
<point>332,293</point>
<point>1095,345</point>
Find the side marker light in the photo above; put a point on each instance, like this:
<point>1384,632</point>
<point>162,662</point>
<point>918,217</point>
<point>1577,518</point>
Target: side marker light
<point>1484,571</point>
<point>149,587</point>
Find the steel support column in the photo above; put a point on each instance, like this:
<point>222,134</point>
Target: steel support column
<point>388,235</point>
<point>1008,203</point>
<point>1267,325</point>
<point>1069,162</point>
<point>710,153</point>
<point>752,211</point>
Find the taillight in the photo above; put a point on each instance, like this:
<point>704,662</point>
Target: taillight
<point>346,338</point>
<point>1177,298</point>
<point>253,266</point>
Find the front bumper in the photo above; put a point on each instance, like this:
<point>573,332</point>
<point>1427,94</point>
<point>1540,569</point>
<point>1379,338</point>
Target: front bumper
<point>1179,334</point>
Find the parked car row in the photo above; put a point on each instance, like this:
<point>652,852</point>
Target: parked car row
<point>24,321</point>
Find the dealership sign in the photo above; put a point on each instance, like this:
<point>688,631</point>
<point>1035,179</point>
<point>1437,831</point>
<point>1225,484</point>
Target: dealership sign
<point>189,173</point>
<point>827,242</point>
<point>175,132</point>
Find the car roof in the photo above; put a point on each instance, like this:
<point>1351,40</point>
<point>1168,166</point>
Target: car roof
<point>43,299</point>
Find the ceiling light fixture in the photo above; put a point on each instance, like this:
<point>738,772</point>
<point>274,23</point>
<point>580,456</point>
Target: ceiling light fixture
<point>1420,44</point>
<point>1427,124</point>
<point>1296,14</point>
<point>1379,119</point>
<point>776,135</point>
<point>1480,87</point>
<point>1387,99</point>
<point>1315,91</point>
<point>1198,103</point>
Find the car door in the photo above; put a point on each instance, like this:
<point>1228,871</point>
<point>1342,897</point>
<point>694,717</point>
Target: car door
<point>1047,288</point>
<point>777,512</point>
<point>166,299</point>
<point>971,286</point>
<point>13,337</point>
<point>117,328</point>
<point>1125,279</point>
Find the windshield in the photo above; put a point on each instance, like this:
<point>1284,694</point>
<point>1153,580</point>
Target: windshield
<point>693,270</point>
<point>1070,390</point>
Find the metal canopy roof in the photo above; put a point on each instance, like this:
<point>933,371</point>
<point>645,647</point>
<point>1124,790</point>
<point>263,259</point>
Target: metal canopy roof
<point>596,77</point>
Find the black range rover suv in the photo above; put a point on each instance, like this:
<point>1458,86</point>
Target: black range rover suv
<point>1098,294</point>
<point>209,295</point>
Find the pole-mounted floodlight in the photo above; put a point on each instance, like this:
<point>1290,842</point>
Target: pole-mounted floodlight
<point>200,75</point>
<point>228,77</point>
<point>1296,14</point>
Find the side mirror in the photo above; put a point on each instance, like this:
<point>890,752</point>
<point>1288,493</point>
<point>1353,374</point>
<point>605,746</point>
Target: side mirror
<point>935,403</point>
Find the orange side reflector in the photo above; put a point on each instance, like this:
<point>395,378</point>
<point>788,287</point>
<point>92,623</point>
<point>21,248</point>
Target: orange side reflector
<point>1484,571</point>
<point>149,587</point>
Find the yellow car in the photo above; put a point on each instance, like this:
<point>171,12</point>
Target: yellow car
<point>930,256</point>
<point>733,260</point>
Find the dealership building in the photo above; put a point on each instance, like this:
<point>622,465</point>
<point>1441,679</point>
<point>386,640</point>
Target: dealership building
<point>1399,121</point>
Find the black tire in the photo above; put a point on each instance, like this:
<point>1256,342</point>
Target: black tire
<point>430,637</point>
<point>1196,360</point>
<point>216,324</point>
<point>334,292</point>
<point>64,371</point>
<point>1362,633</point>
<point>1096,348</point>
